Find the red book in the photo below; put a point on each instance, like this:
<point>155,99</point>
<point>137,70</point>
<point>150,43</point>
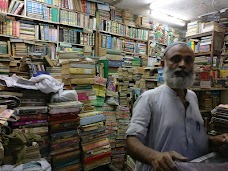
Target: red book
<point>98,157</point>
<point>91,146</point>
<point>19,9</point>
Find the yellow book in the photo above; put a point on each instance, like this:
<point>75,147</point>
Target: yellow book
<point>82,115</point>
<point>83,81</point>
<point>78,71</point>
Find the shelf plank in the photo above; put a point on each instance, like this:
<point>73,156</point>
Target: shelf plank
<point>45,41</point>
<point>68,25</point>
<point>76,11</point>
<point>203,53</point>
<point>199,35</point>
<point>3,35</point>
<point>29,18</point>
<point>119,35</point>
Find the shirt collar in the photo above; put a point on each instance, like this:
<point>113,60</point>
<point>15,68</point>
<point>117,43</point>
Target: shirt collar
<point>173,93</point>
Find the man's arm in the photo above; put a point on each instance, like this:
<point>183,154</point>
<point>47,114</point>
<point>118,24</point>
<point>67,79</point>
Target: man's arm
<point>218,140</point>
<point>159,160</point>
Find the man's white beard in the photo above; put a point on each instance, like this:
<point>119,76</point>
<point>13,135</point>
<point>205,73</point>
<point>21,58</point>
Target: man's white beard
<point>178,82</point>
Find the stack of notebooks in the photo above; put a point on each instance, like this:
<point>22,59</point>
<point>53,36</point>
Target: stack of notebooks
<point>219,121</point>
<point>64,145</point>
<point>33,119</point>
<point>123,120</point>
<point>95,144</point>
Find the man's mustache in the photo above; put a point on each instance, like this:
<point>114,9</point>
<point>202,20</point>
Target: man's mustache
<point>180,73</point>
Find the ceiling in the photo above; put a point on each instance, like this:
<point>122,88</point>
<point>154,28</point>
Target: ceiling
<point>182,9</point>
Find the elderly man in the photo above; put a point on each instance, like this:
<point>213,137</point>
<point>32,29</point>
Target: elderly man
<point>166,124</point>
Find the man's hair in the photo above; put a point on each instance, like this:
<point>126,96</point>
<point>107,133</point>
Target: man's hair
<point>182,44</point>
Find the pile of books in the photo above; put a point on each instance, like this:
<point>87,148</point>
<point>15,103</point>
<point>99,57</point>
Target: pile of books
<point>123,120</point>
<point>100,90</point>
<point>219,120</point>
<point>78,72</point>
<point>95,144</point>
<point>64,145</point>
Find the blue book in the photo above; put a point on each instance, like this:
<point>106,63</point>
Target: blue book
<point>92,119</point>
<point>88,7</point>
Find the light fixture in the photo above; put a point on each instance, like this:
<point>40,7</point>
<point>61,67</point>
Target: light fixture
<point>167,18</point>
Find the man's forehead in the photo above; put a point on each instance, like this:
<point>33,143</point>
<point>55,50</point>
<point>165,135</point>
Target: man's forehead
<point>176,44</point>
<point>179,49</point>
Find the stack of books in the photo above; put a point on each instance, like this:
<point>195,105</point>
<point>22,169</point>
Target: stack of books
<point>95,144</point>
<point>64,145</point>
<point>55,72</point>
<point>33,119</point>
<point>78,72</point>
<point>128,18</point>
<point>123,120</point>
<point>4,65</point>
<point>100,91</point>
<point>219,119</point>
<point>111,126</point>
<point>192,28</point>
<point>103,11</point>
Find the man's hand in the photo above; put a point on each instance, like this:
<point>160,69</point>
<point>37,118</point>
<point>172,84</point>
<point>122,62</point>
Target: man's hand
<point>164,161</point>
<point>219,140</point>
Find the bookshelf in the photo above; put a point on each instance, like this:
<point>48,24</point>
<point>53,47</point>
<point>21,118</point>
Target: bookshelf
<point>54,15</point>
<point>212,42</point>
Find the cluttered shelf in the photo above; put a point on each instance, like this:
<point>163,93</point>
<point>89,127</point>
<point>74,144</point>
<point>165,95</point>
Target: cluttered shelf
<point>119,35</point>
<point>29,18</point>
<point>203,53</point>
<point>199,35</point>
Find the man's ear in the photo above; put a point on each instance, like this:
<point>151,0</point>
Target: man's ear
<point>162,63</point>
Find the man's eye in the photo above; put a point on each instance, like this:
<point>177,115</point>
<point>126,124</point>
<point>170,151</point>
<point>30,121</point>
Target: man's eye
<point>176,59</point>
<point>188,60</point>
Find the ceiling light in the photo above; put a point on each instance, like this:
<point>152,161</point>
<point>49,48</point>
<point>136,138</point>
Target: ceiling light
<point>167,18</point>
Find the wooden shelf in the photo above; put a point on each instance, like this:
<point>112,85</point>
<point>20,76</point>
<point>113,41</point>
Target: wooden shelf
<point>119,35</point>
<point>2,35</point>
<point>211,89</point>
<point>76,11</point>
<point>203,53</point>
<point>199,35</point>
<point>29,18</point>
<point>74,44</point>
<point>45,41</point>
<point>24,40</point>
<point>68,25</point>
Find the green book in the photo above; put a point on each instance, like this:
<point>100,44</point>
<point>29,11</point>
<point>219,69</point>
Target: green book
<point>54,13</point>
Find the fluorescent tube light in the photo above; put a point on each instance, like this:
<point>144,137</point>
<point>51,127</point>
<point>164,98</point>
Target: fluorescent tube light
<point>167,18</point>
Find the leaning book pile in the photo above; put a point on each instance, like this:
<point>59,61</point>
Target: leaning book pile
<point>64,145</point>
<point>95,144</point>
<point>219,120</point>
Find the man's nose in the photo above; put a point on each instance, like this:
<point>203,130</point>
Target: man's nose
<point>182,64</point>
